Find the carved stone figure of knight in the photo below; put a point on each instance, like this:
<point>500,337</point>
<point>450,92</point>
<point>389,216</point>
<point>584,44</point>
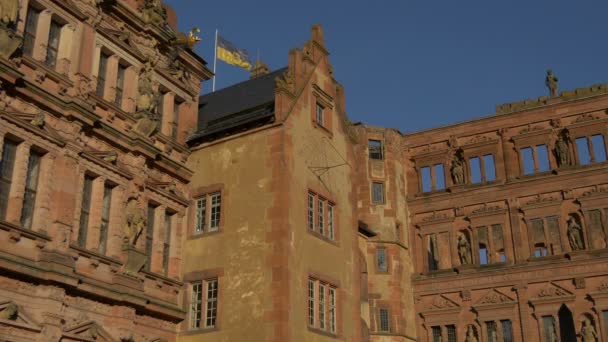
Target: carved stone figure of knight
<point>8,12</point>
<point>562,151</point>
<point>464,250</point>
<point>575,235</point>
<point>457,169</point>
<point>9,41</point>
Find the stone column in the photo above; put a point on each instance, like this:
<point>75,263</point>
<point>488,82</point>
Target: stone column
<point>42,35</point>
<point>130,89</point>
<point>64,196</point>
<point>179,227</point>
<point>167,119</point>
<point>94,226</point>
<point>64,55</point>
<point>15,201</point>
<point>111,76</point>
<point>43,193</point>
<point>117,222</point>
<point>158,239</point>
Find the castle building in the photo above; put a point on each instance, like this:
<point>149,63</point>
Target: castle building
<point>134,210</point>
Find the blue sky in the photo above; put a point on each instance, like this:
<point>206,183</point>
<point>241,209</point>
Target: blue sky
<point>418,64</point>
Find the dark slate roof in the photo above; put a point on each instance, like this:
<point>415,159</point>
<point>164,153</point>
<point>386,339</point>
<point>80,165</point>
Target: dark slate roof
<point>236,107</point>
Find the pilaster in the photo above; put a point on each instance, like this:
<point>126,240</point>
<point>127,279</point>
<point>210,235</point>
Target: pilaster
<point>15,202</point>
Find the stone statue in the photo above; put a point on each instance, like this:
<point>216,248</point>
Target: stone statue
<point>146,101</point>
<point>9,10</point>
<point>10,312</point>
<point>471,334</point>
<point>562,151</point>
<point>464,249</point>
<point>135,222</point>
<point>153,12</point>
<point>588,333</point>
<point>575,235</point>
<point>551,83</point>
<point>457,169</point>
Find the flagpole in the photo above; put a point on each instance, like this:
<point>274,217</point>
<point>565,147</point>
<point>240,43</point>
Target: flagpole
<point>214,60</point>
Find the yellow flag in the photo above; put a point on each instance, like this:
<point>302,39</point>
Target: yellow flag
<point>230,54</point>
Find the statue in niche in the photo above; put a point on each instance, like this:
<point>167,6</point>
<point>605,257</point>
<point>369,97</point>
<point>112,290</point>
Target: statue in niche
<point>135,222</point>
<point>146,100</point>
<point>153,12</point>
<point>562,151</point>
<point>9,10</point>
<point>588,333</point>
<point>464,249</point>
<point>9,41</point>
<point>575,235</point>
<point>471,334</point>
<point>457,168</point>
<point>551,83</point>
<point>10,312</point>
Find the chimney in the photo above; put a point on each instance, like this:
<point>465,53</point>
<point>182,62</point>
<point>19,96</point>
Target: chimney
<point>259,69</point>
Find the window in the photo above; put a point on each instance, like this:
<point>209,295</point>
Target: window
<point>475,167</point>
<point>7,164</point>
<point>53,44</point>
<point>323,213</point>
<point>489,168</point>
<point>451,333</point>
<point>105,218</point>
<point>605,314</point>
<point>384,320</point>
<point>492,331</point>
<point>101,75</point>
<point>502,257</point>
<point>490,242</point>
<point>120,85</point>
<point>320,115</point>
<point>29,34</point>
<point>482,169</point>
<point>167,242</point>
<point>591,149</point>
<point>545,236</point>
<point>322,304</point>
<point>175,120</point>
<point>433,178</point>
<point>540,250</point>
<point>549,329</point>
<point>535,159</point>
<point>375,149</point>
<point>381,262</point>
<point>31,187</point>
<point>206,292</point>
<point>584,157</point>
<point>85,210</point>
<point>436,334</point>
<point>432,253</point>
<point>377,193</point>
<point>507,330</point>
<point>599,148</point>
<point>483,254</point>
<point>208,223</point>
<point>150,235</point>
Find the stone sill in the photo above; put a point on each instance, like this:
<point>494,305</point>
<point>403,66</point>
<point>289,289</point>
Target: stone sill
<point>161,278</point>
<point>95,255</point>
<point>322,332</point>
<point>18,232</point>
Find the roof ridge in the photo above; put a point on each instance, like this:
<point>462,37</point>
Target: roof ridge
<point>240,84</point>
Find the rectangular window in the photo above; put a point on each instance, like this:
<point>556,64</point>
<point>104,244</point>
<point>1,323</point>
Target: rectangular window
<point>332,310</point>
<point>120,85</point>
<point>605,314</point>
<point>211,303</point>
<point>330,221</point>
<point>101,74</point>
<point>528,160</point>
<point>377,193</point>
<point>321,215</point>
<point>375,149</point>
<point>439,177</point>
<point>489,168</point>
<point>436,334</point>
<point>483,254</point>
<point>196,304</point>
<point>599,149</point>
<point>582,147</point>
<point>311,302</point>
<point>427,179</point>
<point>311,211</point>
<point>31,187</point>
<point>475,167</point>
<point>7,164</point>
<point>384,320</point>
<point>432,253</point>
<point>451,333</point>
<point>204,292</point>
<point>216,206</point>
<point>150,235</point>
<point>53,44</point>
<point>381,262</point>
<point>29,34</point>
<point>85,210</point>
<point>549,328</point>
<point>492,331</point>
<point>167,242</point>
<point>542,158</point>
<point>201,206</point>
<point>322,306</point>
<point>507,330</point>
<point>175,120</point>
<point>105,218</point>
<point>320,115</point>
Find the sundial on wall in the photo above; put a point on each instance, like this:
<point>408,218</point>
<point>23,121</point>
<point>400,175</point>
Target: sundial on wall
<point>322,159</point>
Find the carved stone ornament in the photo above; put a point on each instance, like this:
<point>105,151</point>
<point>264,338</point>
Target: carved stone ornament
<point>10,312</point>
<point>136,220</point>
<point>9,41</point>
<point>441,302</point>
<point>471,336</point>
<point>588,333</point>
<point>147,102</point>
<point>495,297</point>
<point>552,291</point>
<point>153,12</point>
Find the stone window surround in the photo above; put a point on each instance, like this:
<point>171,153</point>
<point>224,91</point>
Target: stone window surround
<point>371,192</point>
<point>430,160</point>
<point>481,149</point>
<point>204,191</point>
<point>375,322</point>
<point>597,202</point>
<point>533,139</point>
<point>423,232</point>
<point>50,10</point>
<point>495,312</point>
<point>317,193</point>
<point>587,130</point>
<point>552,209</point>
<point>169,100</point>
<point>330,282</point>
<point>386,255</point>
<point>319,97</point>
<point>196,276</point>
<point>488,221</point>
<point>17,191</point>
